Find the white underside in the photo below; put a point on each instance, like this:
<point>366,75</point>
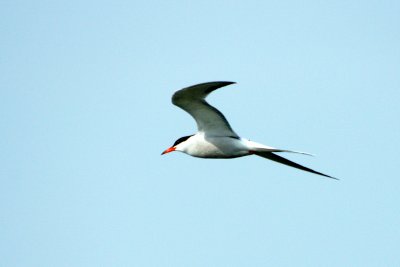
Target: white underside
<point>215,147</point>
<point>203,146</point>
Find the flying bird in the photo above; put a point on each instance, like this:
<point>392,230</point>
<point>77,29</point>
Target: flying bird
<point>215,137</point>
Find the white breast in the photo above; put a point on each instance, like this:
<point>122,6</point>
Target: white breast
<point>203,146</point>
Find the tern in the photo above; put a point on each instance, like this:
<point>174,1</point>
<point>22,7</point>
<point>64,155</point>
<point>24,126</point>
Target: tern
<point>215,137</point>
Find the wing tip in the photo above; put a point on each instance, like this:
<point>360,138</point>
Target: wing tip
<point>285,161</point>
<point>225,82</point>
<point>328,176</point>
<point>215,85</point>
<point>204,90</point>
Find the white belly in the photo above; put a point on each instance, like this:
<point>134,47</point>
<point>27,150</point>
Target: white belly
<point>217,147</point>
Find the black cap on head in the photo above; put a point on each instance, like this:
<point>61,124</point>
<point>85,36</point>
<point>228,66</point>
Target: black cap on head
<point>182,139</point>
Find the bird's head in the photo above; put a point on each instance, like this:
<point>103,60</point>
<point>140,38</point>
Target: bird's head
<point>179,145</point>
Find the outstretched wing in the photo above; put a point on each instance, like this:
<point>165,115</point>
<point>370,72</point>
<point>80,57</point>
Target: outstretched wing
<point>209,119</point>
<point>274,157</point>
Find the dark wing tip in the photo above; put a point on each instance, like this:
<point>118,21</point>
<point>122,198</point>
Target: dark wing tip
<point>274,157</point>
<point>328,176</point>
<point>215,85</point>
<point>197,91</point>
<point>224,82</point>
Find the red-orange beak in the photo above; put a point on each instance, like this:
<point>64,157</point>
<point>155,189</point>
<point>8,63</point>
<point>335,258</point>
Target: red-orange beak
<point>172,148</point>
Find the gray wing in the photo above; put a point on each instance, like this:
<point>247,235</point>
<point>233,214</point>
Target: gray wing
<point>209,119</point>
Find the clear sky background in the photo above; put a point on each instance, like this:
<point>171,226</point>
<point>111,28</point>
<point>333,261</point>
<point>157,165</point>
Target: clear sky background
<point>85,112</point>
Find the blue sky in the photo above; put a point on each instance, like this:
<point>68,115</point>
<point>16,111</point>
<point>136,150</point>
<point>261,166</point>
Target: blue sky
<point>85,113</point>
